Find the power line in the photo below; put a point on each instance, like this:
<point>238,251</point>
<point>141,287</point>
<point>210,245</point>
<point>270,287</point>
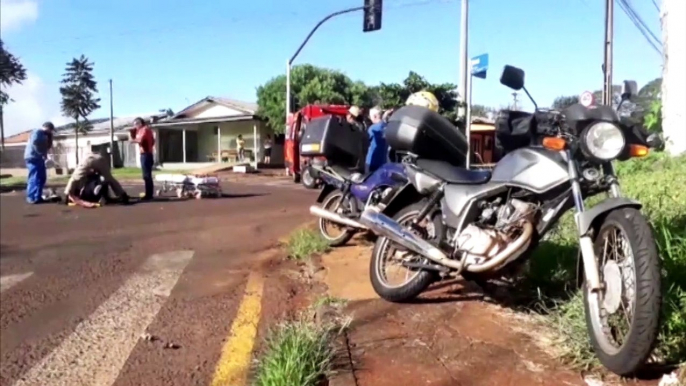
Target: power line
<point>656,6</point>
<point>638,22</point>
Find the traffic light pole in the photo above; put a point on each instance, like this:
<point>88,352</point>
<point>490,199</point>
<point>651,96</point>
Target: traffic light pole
<point>302,45</point>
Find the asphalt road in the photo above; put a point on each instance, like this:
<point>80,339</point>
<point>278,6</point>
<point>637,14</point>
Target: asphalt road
<point>147,294</point>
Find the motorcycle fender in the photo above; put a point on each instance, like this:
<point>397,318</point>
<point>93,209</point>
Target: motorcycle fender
<point>402,197</point>
<point>325,192</point>
<point>589,218</point>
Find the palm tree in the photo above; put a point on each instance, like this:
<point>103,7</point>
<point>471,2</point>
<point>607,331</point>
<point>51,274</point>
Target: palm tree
<point>78,95</point>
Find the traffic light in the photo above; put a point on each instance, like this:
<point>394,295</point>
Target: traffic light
<point>372,15</point>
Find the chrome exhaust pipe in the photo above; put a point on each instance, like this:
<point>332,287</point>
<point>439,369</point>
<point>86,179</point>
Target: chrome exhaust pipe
<point>385,226</point>
<point>333,217</point>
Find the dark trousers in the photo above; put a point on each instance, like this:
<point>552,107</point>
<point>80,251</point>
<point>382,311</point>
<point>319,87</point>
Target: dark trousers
<point>146,167</point>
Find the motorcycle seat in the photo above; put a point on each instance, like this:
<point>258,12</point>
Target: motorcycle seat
<point>352,175</point>
<point>453,174</point>
<point>358,178</point>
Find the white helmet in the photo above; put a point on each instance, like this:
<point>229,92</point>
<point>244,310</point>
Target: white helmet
<point>424,99</point>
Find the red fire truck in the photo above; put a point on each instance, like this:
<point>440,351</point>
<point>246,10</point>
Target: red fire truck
<point>297,166</point>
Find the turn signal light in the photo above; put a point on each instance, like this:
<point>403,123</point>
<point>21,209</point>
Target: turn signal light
<point>638,151</point>
<point>554,143</point>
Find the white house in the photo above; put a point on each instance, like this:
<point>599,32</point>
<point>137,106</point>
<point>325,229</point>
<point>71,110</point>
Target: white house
<point>205,133</point>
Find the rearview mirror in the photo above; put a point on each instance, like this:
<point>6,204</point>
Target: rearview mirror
<point>512,77</point>
<point>629,89</point>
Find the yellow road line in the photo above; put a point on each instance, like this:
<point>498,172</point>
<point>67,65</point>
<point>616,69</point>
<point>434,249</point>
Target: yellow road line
<point>234,363</point>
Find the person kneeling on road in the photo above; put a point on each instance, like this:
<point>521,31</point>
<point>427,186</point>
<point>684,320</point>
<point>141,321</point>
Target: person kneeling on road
<point>90,182</point>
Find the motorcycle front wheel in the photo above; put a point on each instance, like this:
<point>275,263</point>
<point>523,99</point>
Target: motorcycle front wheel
<point>385,251</point>
<point>623,319</point>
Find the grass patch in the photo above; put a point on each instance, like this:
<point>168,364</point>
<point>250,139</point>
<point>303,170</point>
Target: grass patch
<point>329,300</point>
<point>297,352</point>
<point>659,182</point>
<point>304,243</point>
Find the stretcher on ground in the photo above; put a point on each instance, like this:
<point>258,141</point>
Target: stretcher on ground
<point>188,185</point>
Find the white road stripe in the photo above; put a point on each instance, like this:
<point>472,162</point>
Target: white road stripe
<point>96,351</point>
<point>9,281</point>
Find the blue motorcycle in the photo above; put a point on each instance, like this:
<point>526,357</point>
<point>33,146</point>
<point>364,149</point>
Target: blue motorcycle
<point>346,194</point>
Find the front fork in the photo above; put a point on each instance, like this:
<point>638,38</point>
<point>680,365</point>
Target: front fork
<point>591,268</point>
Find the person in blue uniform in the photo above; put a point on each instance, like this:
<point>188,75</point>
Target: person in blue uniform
<point>35,154</point>
<point>377,154</point>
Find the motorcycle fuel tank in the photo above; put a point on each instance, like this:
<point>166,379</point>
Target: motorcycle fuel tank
<point>534,169</point>
<point>388,175</point>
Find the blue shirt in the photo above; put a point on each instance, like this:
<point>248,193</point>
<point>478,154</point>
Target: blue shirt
<point>38,145</point>
<point>377,154</point>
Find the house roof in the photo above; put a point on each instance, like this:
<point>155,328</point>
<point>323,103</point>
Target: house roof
<point>246,108</point>
<point>19,137</point>
<point>100,125</point>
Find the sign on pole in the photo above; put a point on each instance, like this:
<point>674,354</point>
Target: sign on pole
<point>587,99</point>
<point>479,66</point>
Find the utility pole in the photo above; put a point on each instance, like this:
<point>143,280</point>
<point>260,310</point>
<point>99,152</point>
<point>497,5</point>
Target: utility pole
<point>514,101</point>
<point>111,128</point>
<point>464,52</point>
<point>607,62</point>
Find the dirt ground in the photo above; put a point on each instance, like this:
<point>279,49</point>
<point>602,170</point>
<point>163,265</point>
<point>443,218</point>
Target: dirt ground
<point>77,284</point>
<point>449,337</point>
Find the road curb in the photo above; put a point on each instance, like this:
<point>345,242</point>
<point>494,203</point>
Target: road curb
<point>344,371</point>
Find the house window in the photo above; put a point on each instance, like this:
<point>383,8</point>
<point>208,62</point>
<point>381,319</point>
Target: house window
<point>488,143</point>
<point>216,130</point>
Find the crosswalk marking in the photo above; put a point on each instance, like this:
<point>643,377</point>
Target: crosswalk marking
<point>9,281</point>
<point>233,365</point>
<point>96,351</point>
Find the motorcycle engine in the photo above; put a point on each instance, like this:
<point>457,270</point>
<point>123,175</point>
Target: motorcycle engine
<point>484,239</point>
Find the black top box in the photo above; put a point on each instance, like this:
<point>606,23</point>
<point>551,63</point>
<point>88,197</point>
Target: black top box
<point>334,138</point>
<point>427,134</point>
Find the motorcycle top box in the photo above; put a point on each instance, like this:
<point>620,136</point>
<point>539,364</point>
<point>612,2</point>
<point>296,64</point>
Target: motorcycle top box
<point>334,138</point>
<point>426,134</point>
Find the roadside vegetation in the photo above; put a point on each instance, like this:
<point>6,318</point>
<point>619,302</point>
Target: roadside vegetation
<point>302,351</point>
<point>296,353</point>
<point>304,243</point>
<point>659,182</point>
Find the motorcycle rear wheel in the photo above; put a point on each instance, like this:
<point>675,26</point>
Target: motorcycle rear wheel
<point>638,274</point>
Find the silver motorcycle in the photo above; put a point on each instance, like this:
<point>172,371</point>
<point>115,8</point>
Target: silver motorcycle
<point>450,221</point>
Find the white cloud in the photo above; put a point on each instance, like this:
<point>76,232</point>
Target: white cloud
<point>34,103</point>
<point>14,14</point>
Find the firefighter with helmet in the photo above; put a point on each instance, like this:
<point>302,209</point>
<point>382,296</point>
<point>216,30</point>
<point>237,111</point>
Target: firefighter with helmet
<point>424,99</point>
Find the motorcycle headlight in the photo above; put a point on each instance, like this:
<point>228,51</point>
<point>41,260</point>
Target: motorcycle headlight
<point>603,141</point>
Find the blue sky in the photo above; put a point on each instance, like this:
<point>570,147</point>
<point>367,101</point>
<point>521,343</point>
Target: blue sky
<point>172,53</point>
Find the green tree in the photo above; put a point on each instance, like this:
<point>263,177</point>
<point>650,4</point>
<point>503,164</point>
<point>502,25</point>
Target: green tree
<point>11,72</point>
<point>309,84</point>
<point>562,102</point>
<point>78,95</point>
<point>393,94</point>
<point>653,118</point>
